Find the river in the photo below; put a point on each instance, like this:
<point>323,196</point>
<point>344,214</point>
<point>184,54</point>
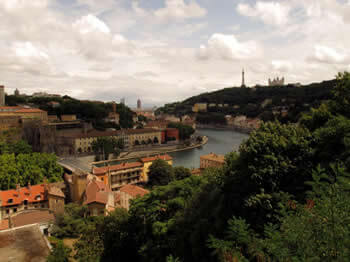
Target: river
<point>220,142</point>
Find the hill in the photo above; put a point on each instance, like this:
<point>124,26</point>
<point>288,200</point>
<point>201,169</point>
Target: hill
<point>261,101</point>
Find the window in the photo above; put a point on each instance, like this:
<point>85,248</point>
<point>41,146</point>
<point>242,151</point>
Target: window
<point>38,197</point>
<point>42,206</point>
<point>25,202</point>
<point>7,211</point>
<point>15,210</point>
<point>10,200</point>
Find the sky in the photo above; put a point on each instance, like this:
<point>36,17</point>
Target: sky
<point>164,51</point>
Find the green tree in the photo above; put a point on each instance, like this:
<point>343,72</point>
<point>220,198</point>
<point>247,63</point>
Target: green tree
<point>104,146</point>
<point>160,173</point>
<point>59,253</point>
<point>181,173</point>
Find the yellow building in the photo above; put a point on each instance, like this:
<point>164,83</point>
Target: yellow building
<point>67,118</point>
<point>8,122</point>
<point>199,107</point>
<point>120,175</point>
<point>212,160</point>
<point>147,162</point>
<point>147,136</point>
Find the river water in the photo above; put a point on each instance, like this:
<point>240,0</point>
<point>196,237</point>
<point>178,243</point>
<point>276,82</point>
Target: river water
<point>220,142</point>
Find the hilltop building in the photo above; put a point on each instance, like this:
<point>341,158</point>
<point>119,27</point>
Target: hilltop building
<point>122,101</point>
<point>138,104</point>
<point>26,114</point>
<point>16,93</point>
<point>2,96</point>
<point>200,107</point>
<point>276,81</point>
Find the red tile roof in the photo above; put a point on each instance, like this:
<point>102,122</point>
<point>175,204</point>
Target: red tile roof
<point>96,191</point>
<point>134,191</point>
<point>55,191</point>
<point>32,217</point>
<point>30,110</point>
<point>30,193</point>
<point>165,157</point>
<point>105,169</point>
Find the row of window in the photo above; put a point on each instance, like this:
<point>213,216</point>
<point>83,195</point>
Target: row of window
<point>14,210</point>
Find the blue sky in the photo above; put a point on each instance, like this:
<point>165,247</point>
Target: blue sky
<point>167,50</point>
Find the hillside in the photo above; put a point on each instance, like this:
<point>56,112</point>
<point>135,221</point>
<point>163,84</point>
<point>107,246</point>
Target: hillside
<point>260,101</point>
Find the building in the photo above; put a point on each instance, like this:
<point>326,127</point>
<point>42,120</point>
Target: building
<point>157,124</point>
<point>147,136</point>
<point>44,94</point>
<point>170,135</point>
<point>129,192</point>
<point>199,107</point>
<point>276,81</point>
<point>122,101</point>
<point>68,118</point>
<point>26,114</point>
<point>98,197</point>
<point>16,93</point>
<point>147,162</point>
<point>2,96</point>
<point>211,160</point>
<point>116,176</point>
<point>139,104</point>
<point>43,196</point>
<point>54,104</point>
<point>8,122</point>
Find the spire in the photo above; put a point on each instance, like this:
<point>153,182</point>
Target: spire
<point>243,81</point>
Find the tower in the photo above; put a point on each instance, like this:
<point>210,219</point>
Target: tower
<point>2,96</point>
<point>138,104</point>
<point>243,81</point>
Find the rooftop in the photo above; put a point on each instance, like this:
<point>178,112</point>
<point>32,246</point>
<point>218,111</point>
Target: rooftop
<point>134,191</point>
<point>32,217</point>
<point>123,166</point>
<point>96,192</point>
<point>214,157</point>
<point>23,244</point>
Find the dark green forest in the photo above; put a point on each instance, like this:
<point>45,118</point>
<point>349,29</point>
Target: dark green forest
<point>259,102</point>
<point>284,196</point>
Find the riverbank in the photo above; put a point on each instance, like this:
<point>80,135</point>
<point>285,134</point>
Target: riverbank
<point>150,152</point>
<point>244,130</point>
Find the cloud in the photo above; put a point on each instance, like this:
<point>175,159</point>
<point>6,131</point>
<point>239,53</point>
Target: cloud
<point>179,10</point>
<point>90,24</point>
<point>272,13</point>
<point>329,55</point>
<point>281,65</point>
<point>228,47</point>
<point>174,10</point>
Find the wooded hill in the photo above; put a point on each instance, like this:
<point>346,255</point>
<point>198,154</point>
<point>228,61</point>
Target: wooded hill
<point>259,101</point>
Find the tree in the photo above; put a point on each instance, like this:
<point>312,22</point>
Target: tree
<point>104,146</point>
<point>160,173</point>
<point>181,173</point>
<point>59,253</point>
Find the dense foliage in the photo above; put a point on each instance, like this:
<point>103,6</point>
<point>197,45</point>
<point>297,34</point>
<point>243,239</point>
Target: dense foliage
<point>104,146</point>
<point>28,168</point>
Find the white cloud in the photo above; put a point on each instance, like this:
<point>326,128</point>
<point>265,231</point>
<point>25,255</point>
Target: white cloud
<point>228,47</point>
<point>329,55</point>
<point>174,10</point>
<point>272,13</point>
<point>179,10</point>
<point>281,65</point>
<point>90,24</point>
<point>28,50</point>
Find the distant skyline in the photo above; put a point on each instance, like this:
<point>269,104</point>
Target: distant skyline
<point>167,50</point>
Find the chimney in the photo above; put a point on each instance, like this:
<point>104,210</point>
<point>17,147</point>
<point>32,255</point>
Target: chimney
<point>18,187</point>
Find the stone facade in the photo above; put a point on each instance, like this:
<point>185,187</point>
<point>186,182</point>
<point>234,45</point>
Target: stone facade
<point>211,160</point>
